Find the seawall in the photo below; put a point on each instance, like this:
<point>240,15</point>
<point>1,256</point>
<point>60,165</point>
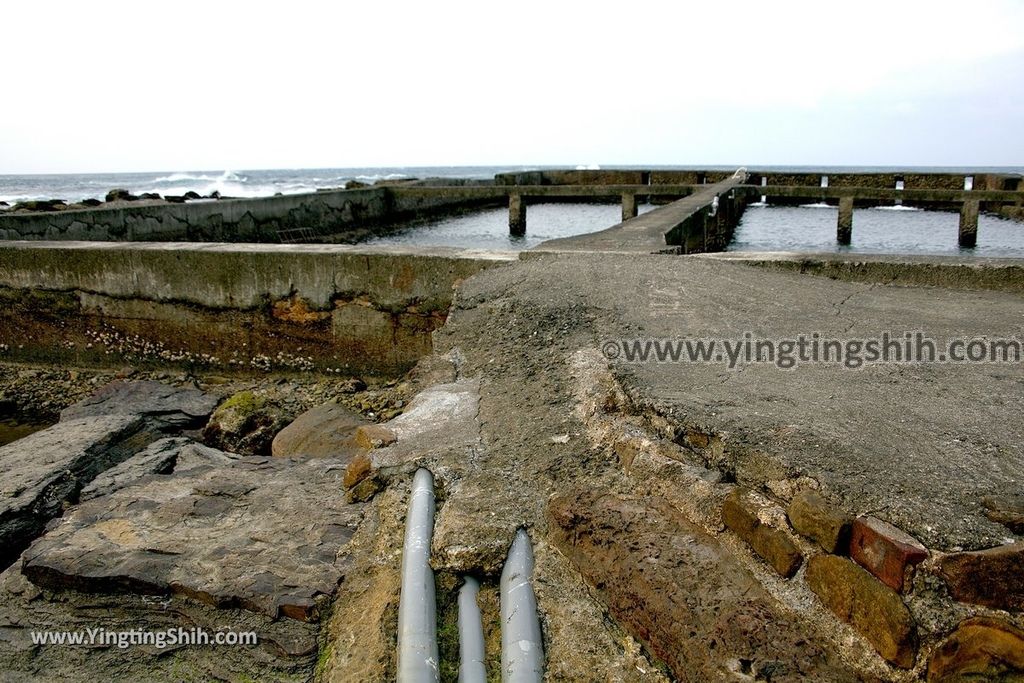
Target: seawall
<point>329,308</point>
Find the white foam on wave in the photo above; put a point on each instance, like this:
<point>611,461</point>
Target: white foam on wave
<point>897,207</point>
<point>817,205</point>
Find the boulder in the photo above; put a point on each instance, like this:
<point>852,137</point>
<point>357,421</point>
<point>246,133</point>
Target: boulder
<point>192,195</point>
<point>164,406</point>
<point>214,195</point>
<point>980,649</point>
<point>811,515</point>
<point>90,203</point>
<point>1007,510</point>
<point>149,195</point>
<point>264,534</point>
<point>326,431</point>
<point>246,424</point>
<point>742,512</point>
<point>174,199</point>
<point>120,195</point>
<point>989,577</point>
<point>866,604</point>
<point>355,185</point>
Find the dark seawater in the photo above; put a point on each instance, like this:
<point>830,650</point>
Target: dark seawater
<point>12,430</point>
<point>877,230</point>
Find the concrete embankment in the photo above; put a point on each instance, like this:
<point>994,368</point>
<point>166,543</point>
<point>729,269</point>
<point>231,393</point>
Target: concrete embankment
<point>285,307</point>
<point>348,215</point>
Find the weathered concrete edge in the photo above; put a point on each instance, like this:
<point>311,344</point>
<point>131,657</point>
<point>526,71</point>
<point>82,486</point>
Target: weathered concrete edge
<point>952,272</point>
<point>238,276</point>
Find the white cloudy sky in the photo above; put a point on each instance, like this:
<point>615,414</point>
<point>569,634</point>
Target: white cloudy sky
<point>156,85</point>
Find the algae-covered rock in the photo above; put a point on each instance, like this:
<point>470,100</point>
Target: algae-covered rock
<point>246,424</point>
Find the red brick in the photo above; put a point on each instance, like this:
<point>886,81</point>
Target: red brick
<point>884,550</point>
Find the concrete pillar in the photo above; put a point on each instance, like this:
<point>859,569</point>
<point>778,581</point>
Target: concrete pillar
<point>628,206</point>
<point>969,223</point>
<point>844,229</point>
<point>516,215</point>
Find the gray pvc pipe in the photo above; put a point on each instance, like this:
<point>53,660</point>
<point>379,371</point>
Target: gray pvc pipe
<point>417,607</point>
<point>471,635</point>
<point>522,649</point>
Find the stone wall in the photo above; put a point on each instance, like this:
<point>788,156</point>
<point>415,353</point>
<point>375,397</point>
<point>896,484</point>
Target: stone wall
<point>284,307</point>
<point>349,214</point>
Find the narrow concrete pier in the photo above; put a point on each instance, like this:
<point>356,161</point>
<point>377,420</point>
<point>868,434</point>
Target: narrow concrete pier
<point>516,215</point>
<point>969,223</point>
<point>628,206</point>
<point>844,226</point>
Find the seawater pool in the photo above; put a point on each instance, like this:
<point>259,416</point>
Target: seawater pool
<point>488,229</point>
<point>884,230</point>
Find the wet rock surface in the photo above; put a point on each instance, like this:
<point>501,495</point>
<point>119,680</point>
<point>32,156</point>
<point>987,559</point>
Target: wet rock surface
<point>700,610</point>
<point>263,534</point>
<point>45,471</point>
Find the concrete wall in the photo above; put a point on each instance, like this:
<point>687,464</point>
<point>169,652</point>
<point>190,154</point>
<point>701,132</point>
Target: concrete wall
<point>287,307</point>
<point>349,214</point>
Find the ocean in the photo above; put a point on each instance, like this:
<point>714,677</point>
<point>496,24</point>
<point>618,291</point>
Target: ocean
<point>264,183</point>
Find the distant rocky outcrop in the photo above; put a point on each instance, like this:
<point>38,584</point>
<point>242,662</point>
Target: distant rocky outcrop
<point>120,195</point>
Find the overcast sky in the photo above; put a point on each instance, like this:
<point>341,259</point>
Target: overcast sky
<point>135,86</point>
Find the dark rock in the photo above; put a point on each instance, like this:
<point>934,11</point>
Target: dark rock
<point>42,472</point>
<point>41,205</point>
<point>159,458</point>
<point>90,202</point>
<point>245,423</point>
<point>740,513</point>
<point>987,577</point>
<point>864,602</point>
<point>214,195</point>
<point>150,195</point>
<point>327,431</point>
<point>355,185</point>
<point>120,195</point>
<point>192,195</point>
<point>263,534</point>
<point>981,649</point>
<point>811,515</point>
<point>164,406</point>
<point>677,589</point>
<point>174,199</point>
<point>1006,510</point>
<point>886,551</point>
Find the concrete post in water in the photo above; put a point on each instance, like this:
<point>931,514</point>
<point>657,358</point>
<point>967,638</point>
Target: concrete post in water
<point>969,223</point>
<point>417,606</point>
<point>471,635</point>
<point>844,229</point>
<point>516,215</point>
<point>522,648</point>
<point>628,206</point>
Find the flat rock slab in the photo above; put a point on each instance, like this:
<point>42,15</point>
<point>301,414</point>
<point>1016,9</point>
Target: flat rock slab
<point>42,472</point>
<point>286,650</point>
<point>159,458</point>
<point>169,406</point>
<point>264,534</point>
<point>686,596</point>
